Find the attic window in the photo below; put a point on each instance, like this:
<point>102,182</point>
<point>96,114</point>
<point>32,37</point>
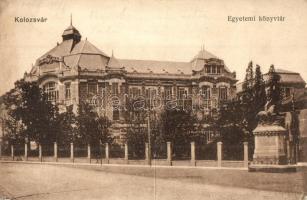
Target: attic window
<point>212,69</point>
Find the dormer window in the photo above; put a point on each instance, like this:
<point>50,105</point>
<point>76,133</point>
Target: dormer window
<point>212,69</point>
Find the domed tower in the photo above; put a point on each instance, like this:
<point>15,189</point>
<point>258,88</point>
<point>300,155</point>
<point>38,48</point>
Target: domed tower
<point>71,33</point>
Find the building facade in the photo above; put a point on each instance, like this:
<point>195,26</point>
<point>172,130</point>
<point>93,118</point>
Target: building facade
<point>76,71</point>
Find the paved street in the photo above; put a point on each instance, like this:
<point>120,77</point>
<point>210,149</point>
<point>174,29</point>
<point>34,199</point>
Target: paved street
<point>34,181</point>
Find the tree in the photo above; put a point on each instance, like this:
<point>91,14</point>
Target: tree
<point>259,90</point>
<point>137,131</point>
<point>68,130</point>
<point>30,110</point>
<point>176,127</point>
<point>274,91</point>
<point>249,76</point>
<point>93,129</point>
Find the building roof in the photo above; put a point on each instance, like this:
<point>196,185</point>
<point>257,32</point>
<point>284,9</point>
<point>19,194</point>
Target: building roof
<point>114,63</point>
<point>204,54</point>
<point>71,30</point>
<point>287,77</point>
<point>148,66</point>
<point>83,54</point>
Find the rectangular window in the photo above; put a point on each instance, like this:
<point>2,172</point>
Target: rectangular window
<point>114,88</point>
<point>67,91</point>
<point>168,92</point>
<point>135,92</point>
<point>101,89</point>
<point>182,93</point>
<point>223,93</point>
<point>206,92</point>
<point>213,69</point>
<point>208,69</point>
<point>218,69</point>
<point>115,113</point>
<point>92,88</point>
<point>287,92</point>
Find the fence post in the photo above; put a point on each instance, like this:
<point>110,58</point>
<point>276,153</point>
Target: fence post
<point>26,151</point>
<point>245,154</point>
<point>107,153</point>
<point>72,152</point>
<point>193,159</point>
<point>12,152</point>
<point>219,154</point>
<point>89,152</point>
<point>40,155</point>
<point>169,153</point>
<point>55,151</point>
<point>126,154</point>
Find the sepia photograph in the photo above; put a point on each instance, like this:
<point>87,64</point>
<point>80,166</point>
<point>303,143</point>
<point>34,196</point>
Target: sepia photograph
<point>153,99</point>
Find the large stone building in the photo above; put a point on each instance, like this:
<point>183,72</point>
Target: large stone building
<point>75,71</point>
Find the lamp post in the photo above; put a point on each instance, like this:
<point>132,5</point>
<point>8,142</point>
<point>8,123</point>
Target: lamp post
<point>149,136</point>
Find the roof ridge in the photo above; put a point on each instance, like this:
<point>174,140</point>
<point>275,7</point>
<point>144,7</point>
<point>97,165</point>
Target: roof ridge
<point>127,59</point>
<point>77,61</point>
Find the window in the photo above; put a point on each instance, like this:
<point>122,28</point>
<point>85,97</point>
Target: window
<point>135,92</point>
<point>101,89</point>
<point>223,93</point>
<point>114,88</point>
<point>218,69</point>
<point>286,92</point>
<point>168,92</point>
<point>208,69</point>
<point>182,93</point>
<point>213,69</point>
<point>209,135</point>
<point>115,113</point>
<point>205,92</point>
<point>67,91</point>
<point>92,88</point>
<point>151,93</point>
<point>51,91</point>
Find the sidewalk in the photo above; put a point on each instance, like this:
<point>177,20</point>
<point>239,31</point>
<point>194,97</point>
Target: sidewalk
<point>233,177</point>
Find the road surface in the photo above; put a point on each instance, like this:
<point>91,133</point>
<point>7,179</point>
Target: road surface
<point>35,181</point>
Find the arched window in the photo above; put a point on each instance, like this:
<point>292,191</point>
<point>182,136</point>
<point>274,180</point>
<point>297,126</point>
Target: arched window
<point>51,91</point>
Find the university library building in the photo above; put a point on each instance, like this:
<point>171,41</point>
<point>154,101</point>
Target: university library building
<point>75,71</point>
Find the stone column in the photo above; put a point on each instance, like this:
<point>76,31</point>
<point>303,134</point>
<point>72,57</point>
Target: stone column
<point>219,154</point>
<point>72,152</point>
<point>107,153</point>
<point>55,151</point>
<point>126,153</point>
<point>26,151</point>
<point>40,153</point>
<point>245,154</point>
<point>169,153</point>
<point>0,151</point>
<point>193,160</point>
<point>147,153</point>
<point>89,152</point>
<point>12,152</point>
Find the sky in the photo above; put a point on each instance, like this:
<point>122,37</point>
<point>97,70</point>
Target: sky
<point>172,30</point>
